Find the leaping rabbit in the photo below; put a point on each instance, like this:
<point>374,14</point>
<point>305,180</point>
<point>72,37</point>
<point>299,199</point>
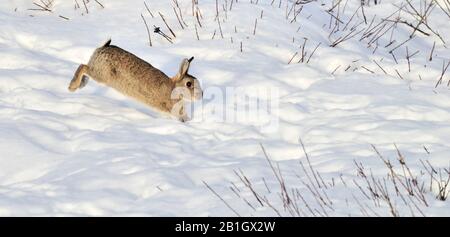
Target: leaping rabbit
<point>134,77</point>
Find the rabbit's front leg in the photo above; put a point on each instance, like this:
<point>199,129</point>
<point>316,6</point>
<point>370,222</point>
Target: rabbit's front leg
<point>178,110</point>
<point>183,115</point>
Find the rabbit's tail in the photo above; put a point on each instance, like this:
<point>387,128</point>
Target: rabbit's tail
<point>107,43</point>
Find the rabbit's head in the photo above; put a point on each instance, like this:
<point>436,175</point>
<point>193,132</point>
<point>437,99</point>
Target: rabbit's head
<point>187,84</point>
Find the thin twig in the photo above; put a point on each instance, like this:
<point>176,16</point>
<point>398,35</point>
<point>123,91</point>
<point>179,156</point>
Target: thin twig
<point>228,205</point>
<point>313,51</point>
<point>148,31</point>
<point>164,20</point>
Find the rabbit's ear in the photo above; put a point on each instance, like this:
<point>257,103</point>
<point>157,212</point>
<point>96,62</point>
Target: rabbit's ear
<point>184,68</point>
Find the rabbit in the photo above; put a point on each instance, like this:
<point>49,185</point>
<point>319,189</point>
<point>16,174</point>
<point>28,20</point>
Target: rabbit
<point>136,78</point>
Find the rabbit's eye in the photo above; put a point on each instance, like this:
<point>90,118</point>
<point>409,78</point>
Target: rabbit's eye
<point>188,84</point>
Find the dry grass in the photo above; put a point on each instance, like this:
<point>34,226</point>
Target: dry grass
<point>400,192</point>
<point>48,6</point>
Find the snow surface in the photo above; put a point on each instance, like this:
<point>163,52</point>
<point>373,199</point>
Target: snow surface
<point>96,152</point>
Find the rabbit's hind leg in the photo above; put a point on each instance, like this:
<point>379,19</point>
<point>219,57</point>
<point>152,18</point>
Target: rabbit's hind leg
<point>79,79</point>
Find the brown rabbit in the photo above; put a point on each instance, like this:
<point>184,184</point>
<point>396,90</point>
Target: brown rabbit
<point>136,78</point>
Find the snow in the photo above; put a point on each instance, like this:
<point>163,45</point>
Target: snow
<point>96,152</point>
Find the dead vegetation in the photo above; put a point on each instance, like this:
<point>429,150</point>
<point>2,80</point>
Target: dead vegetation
<point>79,5</point>
<point>359,25</point>
<point>402,191</point>
<point>383,33</point>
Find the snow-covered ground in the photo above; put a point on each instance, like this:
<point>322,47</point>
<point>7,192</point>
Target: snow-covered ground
<point>97,152</point>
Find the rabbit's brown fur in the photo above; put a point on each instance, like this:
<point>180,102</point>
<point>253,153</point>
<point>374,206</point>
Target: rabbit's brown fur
<point>132,76</point>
